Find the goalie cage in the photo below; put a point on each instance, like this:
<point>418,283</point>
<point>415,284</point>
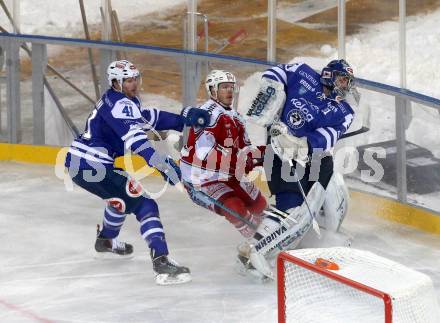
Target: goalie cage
<point>336,285</point>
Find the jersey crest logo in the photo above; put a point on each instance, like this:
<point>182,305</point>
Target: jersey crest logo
<point>295,119</point>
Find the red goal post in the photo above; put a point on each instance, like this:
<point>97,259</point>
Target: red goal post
<point>350,285</point>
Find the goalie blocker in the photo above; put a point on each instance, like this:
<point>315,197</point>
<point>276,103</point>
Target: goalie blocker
<point>268,103</point>
<point>273,235</point>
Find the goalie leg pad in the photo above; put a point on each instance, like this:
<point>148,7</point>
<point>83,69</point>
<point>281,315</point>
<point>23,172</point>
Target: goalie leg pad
<point>261,264</point>
<point>336,203</point>
<point>273,234</point>
<point>244,266</point>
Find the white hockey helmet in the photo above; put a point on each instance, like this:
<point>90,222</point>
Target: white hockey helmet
<point>121,70</point>
<point>215,77</point>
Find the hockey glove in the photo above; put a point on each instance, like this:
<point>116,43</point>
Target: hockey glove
<point>250,157</point>
<point>249,163</point>
<point>287,146</point>
<point>166,166</point>
<point>260,160</point>
<point>256,158</point>
<point>195,117</point>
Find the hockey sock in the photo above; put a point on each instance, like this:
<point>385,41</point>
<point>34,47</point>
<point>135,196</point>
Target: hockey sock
<point>112,223</point>
<point>237,205</point>
<point>152,232</point>
<point>258,206</point>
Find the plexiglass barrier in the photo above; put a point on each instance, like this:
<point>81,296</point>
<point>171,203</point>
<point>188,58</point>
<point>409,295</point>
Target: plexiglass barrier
<point>403,125</point>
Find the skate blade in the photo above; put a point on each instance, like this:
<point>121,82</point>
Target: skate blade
<point>166,279</point>
<point>111,256</point>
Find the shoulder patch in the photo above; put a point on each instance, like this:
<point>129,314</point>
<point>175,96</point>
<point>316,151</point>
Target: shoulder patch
<point>126,109</point>
<point>214,110</point>
<point>292,67</point>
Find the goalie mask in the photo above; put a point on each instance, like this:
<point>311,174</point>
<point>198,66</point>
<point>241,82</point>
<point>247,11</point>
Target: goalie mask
<point>121,70</point>
<point>212,84</point>
<point>338,77</point>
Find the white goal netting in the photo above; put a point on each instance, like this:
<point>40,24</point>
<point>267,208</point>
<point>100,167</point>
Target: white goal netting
<point>310,296</point>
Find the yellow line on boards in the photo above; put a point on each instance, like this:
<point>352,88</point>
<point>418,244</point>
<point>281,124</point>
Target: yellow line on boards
<point>29,153</point>
<point>395,211</point>
<point>51,155</point>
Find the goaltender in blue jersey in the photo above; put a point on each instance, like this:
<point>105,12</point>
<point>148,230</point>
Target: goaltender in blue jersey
<point>305,113</point>
<point>117,124</point>
<point>308,111</point>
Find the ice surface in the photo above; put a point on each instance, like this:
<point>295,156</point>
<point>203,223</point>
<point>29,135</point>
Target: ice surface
<point>48,270</point>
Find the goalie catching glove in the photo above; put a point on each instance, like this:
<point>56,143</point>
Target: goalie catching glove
<point>287,146</point>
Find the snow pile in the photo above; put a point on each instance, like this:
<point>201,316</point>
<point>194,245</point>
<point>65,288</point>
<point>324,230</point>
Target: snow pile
<point>50,18</point>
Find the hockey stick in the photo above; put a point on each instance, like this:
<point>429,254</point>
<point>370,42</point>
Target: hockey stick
<point>198,193</point>
<point>283,157</point>
<point>354,133</point>
<point>314,222</point>
<point>282,216</point>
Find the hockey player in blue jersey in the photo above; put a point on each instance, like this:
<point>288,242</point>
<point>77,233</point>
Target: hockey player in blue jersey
<point>305,113</point>
<point>118,123</point>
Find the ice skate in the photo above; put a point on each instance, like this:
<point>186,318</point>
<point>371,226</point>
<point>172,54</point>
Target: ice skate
<point>168,272</point>
<point>112,248</point>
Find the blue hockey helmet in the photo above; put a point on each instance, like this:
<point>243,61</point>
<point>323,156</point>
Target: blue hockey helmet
<point>338,77</point>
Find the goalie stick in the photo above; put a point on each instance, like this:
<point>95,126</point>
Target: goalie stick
<point>314,222</point>
<point>354,133</point>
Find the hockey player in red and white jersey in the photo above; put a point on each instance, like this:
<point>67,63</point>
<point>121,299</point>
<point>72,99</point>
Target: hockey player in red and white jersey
<point>216,159</point>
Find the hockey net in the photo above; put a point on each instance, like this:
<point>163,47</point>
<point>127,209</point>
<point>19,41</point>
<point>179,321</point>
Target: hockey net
<point>347,285</point>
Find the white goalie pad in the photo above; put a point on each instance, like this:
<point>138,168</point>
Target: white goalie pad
<point>336,203</point>
<point>287,233</point>
<point>267,104</point>
<point>316,197</point>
